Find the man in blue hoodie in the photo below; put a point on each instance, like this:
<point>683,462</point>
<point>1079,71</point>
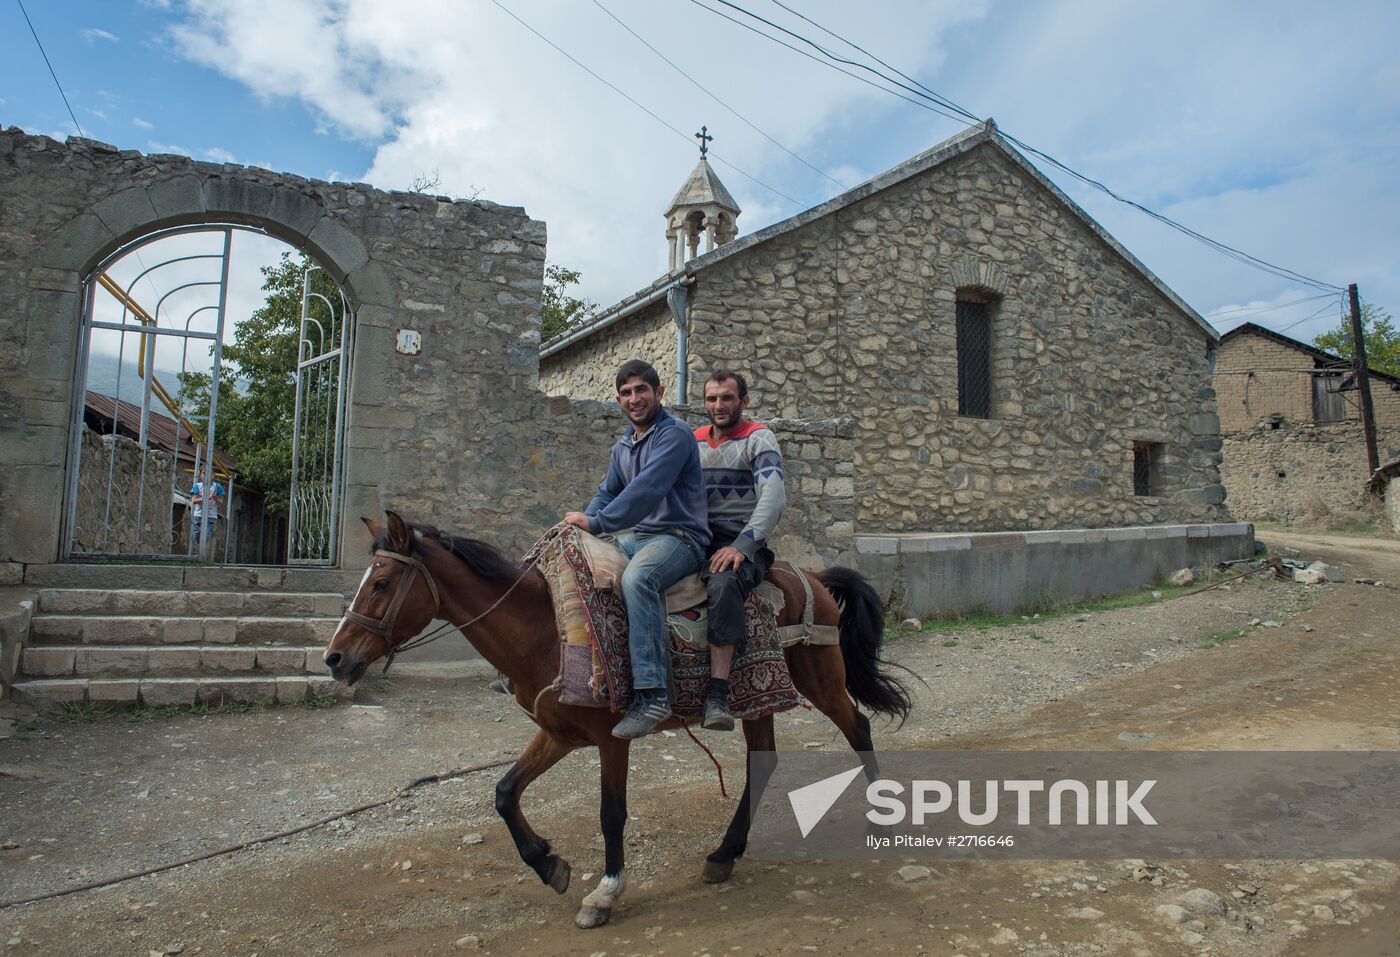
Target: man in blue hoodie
<point>655,488</point>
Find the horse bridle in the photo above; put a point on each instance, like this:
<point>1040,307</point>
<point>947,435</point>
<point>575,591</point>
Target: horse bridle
<point>384,627</point>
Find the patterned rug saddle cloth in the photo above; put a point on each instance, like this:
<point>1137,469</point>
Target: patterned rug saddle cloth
<point>584,574</point>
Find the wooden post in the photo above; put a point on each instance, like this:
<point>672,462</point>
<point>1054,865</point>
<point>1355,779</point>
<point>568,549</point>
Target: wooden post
<point>1363,381</point>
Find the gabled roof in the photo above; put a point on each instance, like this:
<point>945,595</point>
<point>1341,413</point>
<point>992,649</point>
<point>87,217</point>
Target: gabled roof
<point>1321,356</point>
<point>703,187</point>
<point>948,150</point>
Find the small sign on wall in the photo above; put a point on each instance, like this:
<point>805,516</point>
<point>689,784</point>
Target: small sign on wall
<point>408,342</point>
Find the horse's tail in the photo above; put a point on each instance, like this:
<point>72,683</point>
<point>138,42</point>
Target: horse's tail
<point>862,629</point>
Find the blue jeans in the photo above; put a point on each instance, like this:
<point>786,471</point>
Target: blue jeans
<point>197,525</point>
<point>657,561</point>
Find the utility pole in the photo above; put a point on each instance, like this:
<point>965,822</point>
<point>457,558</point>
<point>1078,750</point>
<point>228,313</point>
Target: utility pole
<point>1363,381</point>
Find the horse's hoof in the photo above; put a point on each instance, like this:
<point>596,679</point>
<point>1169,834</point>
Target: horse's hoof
<point>590,917</point>
<point>716,872</point>
<point>559,876</point>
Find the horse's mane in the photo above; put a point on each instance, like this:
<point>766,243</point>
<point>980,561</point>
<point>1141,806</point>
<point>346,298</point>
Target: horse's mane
<point>482,558</point>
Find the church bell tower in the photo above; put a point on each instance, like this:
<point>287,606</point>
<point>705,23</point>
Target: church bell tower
<point>702,207</point>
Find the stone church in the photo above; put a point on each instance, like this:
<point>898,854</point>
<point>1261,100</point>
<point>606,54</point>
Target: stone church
<point>1002,361</point>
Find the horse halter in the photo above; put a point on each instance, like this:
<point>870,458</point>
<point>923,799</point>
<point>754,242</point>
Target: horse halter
<point>384,627</point>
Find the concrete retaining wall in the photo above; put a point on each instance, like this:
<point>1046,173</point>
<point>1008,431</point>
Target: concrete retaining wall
<point>935,574</point>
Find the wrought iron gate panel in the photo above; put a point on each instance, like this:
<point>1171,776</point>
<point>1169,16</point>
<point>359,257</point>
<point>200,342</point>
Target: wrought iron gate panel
<point>107,516</point>
<point>318,434</point>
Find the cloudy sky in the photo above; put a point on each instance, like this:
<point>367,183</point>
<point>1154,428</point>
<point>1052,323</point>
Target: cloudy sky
<point>1270,127</point>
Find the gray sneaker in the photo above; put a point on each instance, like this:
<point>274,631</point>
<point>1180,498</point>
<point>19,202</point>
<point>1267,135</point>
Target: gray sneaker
<point>501,684</point>
<point>717,715</point>
<point>649,708</point>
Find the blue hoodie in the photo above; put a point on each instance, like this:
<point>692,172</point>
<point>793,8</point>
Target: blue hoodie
<point>654,483</point>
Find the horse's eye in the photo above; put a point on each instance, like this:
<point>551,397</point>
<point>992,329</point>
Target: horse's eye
<point>381,585</point>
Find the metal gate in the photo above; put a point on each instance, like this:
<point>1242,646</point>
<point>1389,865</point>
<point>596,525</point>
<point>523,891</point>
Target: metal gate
<point>137,448</point>
<point>318,436</point>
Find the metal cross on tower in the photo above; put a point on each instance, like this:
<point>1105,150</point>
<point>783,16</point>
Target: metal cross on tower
<point>704,137</point>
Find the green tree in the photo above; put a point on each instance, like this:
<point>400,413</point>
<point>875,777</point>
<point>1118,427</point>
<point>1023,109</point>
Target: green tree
<point>560,311</point>
<point>1379,332</point>
<point>257,396</point>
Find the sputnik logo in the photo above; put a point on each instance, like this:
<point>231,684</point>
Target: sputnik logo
<point>811,802</point>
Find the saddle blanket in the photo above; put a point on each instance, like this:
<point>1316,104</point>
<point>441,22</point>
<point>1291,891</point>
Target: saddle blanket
<point>595,662</point>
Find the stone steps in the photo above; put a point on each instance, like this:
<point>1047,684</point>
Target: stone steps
<point>223,578</point>
<point>160,661</point>
<point>133,601</point>
<point>156,636</point>
<point>210,691</point>
<point>48,629</point>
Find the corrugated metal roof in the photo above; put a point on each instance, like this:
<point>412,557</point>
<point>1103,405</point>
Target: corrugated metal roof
<point>161,430</point>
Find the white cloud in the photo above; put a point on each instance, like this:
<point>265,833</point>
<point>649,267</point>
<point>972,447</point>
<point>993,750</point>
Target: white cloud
<point>217,154</point>
<point>92,34</point>
<point>153,147</point>
<point>141,124</point>
<point>1236,122</point>
<point>468,91</point>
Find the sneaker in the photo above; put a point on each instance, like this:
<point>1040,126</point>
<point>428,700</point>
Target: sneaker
<point>501,684</point>
<point>717,715</point>
<point>649,708</point>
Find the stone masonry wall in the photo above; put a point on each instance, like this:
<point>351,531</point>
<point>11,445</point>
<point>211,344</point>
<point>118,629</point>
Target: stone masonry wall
<point>1301,472</point>
<point>458,435</point>
<point>853,314</point>
<point>114,463</point>
<point>587,370</point>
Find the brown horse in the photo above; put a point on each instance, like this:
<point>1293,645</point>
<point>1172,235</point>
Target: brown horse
<point>418,573</point>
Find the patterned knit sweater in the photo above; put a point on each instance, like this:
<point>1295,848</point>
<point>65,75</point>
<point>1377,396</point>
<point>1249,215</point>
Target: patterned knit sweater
<point>743,485</point>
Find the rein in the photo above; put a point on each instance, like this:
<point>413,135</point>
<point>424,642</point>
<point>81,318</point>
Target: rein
<point>384,627</point>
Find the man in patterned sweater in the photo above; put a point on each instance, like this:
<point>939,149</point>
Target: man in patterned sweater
<point>744,487</point>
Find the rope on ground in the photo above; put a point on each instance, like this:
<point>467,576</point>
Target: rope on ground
<point>722,792</point>
<point>266,838</point>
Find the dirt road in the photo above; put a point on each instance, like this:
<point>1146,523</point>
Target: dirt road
<point>436,873</point>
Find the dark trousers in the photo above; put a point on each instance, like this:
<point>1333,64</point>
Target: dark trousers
<point>727,593</point>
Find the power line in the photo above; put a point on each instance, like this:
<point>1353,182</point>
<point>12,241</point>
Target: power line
<point>855,76</point>
<point>1253,310</point>
<point>933,97</point>
<point>1306,319</point>
<point>40,44</point>
<point>639,106</point>
<point>973,117</point>
<point>1245,313</point>
<point>712,96</point>
<point>926,92</point>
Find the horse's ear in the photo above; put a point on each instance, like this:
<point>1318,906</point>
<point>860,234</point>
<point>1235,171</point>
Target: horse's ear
<point>399,538</point>
<point>374,527</point>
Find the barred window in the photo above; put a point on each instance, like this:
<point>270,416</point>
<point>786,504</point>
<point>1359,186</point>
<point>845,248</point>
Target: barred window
<point>1147,458</point>
<point>974,329</point>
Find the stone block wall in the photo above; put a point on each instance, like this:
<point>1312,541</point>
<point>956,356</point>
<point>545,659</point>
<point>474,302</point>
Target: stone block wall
<point>587,371</point>
<point>1301,472</point>
<point>112,468</point>
<point>458,435</point>
<point>852,314</point>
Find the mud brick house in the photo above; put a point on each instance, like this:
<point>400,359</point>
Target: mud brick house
<point>1290,419</point>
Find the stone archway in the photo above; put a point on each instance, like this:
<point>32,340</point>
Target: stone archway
<point>465,275</point>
